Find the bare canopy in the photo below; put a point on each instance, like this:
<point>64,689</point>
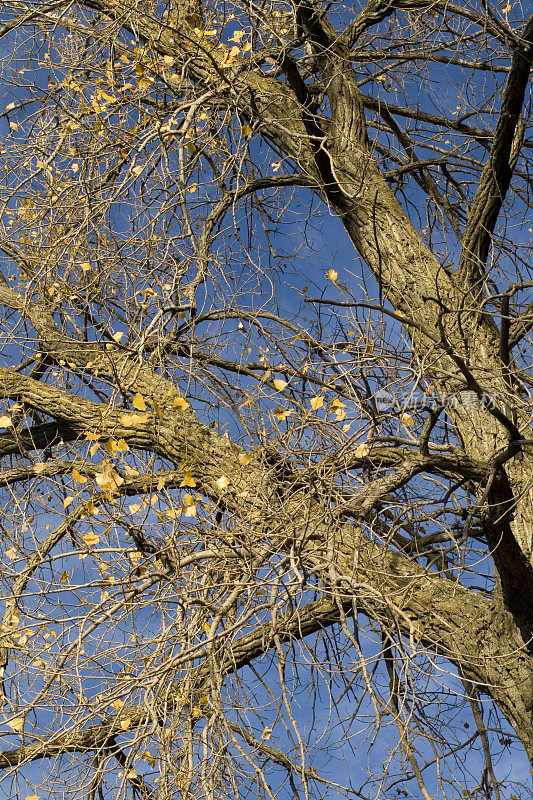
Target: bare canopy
<point>267,458</point>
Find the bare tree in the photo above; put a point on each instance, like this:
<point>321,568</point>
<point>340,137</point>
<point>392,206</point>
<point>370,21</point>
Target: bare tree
<point>267,467</point>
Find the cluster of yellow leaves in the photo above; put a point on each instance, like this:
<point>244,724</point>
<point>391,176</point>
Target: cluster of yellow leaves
<point>338,409</point>
<point>112,446</point>
<point>189,506</point>
<point>109,480</point>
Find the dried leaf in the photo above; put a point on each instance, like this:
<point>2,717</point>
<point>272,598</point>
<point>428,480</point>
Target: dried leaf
<point>130,420</point>
<point>188,480</point>
<point>138,402</point>
<point>181,403</point>
<point>91,538</point>
<point>109,480</point>
<point>78,477</point>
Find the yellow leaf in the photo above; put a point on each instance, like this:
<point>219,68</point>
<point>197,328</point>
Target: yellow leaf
<point>172,513</point>
<point>228,61</point>
<point>222,483</point>
<point>336,403</point>
<point>16,724</point>
<point>188,480</point>
<point>86,266</point>
<point>94,448</point>
<point>92,437</point>
<point>67,501</point>
<point>130,420</point>
<point>246,130</point>
<point>118,704</point>
<point>189,507</point>
<point>32,797</point>
<point>109,481</point>
<point>113,446</point>
<point>161,483</point>
<point>92,509</point>
<point>181,403</point>
<point>361,450</point>
<point>279,384</point>
<point>134,508</point>
<point>130,470</point>
<point>407,420</point>
<point>138,402</point>
<point>11,553</point>
<point>5,422</point>
<point>125,724</point>
<point>282,414</point>
<point>91,538</point>
<point>39,467</point>
<point>78,477</point>
<point>244,458</point>
<point>333,275</point>
<point>118,336</point>
<point>64,577</point>
<point>316,402</point>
